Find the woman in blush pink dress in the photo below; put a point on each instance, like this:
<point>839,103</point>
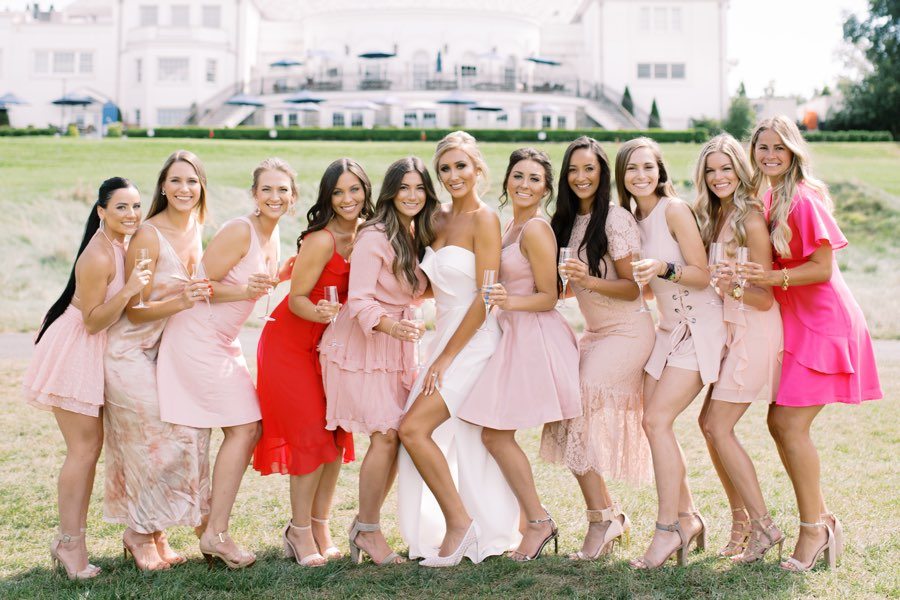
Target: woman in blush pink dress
<point>157,474</point>
<point>368,376</point>
<point>729,214</point>
<point>65,375</point>
<point>828,355</point>
<point>606,441</point>
<point>201,372</point>
<point>690,337</point>
<point>532,378</point>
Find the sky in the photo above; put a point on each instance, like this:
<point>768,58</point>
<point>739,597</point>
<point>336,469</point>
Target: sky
<point>794,44</point>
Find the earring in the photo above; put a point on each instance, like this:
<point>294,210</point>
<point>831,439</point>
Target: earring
<point>163,192</point>
<point>256,212</point>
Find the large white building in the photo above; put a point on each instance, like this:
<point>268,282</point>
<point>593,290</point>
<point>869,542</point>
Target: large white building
<point>404,63</point>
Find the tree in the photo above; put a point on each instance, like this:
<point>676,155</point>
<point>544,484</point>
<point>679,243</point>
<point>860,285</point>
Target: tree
<point>741,116</point>
<point>742,91</point>
<point>874,101</point>
<point>654,122</point>
<point>627,102</point>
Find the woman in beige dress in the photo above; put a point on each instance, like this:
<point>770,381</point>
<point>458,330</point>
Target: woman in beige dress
<point>157,474</point>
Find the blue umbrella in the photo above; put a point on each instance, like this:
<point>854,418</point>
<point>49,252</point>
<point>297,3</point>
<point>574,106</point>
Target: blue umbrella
<point>73,100</point>
<point>10,99</point>
<point>304,97</point>
<point>544,61</point>
<point>245,100</point>
<point>286,62</point>
<point>486,108</point>
<point>456,98</point>
<point>377,54</point>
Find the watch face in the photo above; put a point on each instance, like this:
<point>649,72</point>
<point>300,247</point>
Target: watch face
<point>737,293</point>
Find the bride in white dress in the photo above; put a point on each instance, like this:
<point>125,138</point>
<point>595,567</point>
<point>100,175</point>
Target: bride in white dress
<point>467,508</point>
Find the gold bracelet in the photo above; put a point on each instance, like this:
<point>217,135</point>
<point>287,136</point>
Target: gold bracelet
<point>391,332</point>
<point>785,279</point>
<point>678,273</point>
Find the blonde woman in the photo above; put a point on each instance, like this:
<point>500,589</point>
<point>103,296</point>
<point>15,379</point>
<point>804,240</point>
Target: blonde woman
<point>730,215</point>
<point>828,355</point>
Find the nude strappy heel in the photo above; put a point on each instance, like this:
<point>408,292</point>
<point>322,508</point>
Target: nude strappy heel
<point>736,547</point>
<point>290,551</point>
<point>554,535</point>
<point>89,572</point>
<point>757,548</point>
<point>680,551</point>
<point>700,536</point>
<point>827,549</point>
<point>617,531</point>
<point>331,552</point>
<point>356,552</point>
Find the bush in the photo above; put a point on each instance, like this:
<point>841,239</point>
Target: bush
<point>848,136</point>
<point>72,130</point>
<point>114,130</point>
<point>18,132</point>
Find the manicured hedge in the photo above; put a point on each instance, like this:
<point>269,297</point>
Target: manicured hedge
<point>16,132</point>
<point>848,136</point>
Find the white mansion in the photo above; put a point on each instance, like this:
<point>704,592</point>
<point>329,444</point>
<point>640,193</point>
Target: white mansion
<point>363,63</point>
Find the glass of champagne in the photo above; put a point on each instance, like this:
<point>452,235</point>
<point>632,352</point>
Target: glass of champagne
<point>197,273</point>
<point>143,255</point>
<point>490,278</point>
<point>741,257</point>
<point>331,295</point>
<point>418,317</point>
<point>716,257</point>
<point>635,259</point>
<point>271,272</point>
<point>564,255</point>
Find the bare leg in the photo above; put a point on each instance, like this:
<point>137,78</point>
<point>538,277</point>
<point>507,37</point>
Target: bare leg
<point>321,506</point>
<point>596,498</point>
<point>773,430</point>
<point>303,489</point>
<point>375,478</point>
<point>425,415</point>
<point>516,469</point>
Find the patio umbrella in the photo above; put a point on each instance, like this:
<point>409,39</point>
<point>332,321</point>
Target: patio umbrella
<point>361,105</point>
<point>486,108</point>
<point>304,97</point>
<point>10,99</point>
<point>543,61</point>
<point>73,100</point>
<point>285,63</point>
<point>388,100</point>
<point>374,54</point>
<point>457,98</point>
<point>245,100</point>
<point>540,108</point>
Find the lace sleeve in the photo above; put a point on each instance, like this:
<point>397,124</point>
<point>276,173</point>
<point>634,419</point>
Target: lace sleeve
<point>622,232</point>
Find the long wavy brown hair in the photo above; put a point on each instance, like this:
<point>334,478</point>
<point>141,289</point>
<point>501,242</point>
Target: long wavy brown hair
<point>160,202</point>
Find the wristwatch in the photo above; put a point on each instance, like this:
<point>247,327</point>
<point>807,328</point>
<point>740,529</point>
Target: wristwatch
<point>737,292</point>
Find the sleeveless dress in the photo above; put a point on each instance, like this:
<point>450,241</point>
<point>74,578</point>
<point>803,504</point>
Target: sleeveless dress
<point>753,346</point>
<point>532,378</point>
<point>607,438</point>
<point>289,383</point>
<point>691,332</point>
<point>157,474</point>
<point>828,354</point>
<point>66,369</point>
<point>484,491</point>
<point>201,373</point>
<point>368,377</point>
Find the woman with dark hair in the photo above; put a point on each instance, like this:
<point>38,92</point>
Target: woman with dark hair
<point>157,474</point>
<point>368,376</point>
<point>606,440</point>
<point>532,378</point>
<point>65,374</point>
<point>294,439</point>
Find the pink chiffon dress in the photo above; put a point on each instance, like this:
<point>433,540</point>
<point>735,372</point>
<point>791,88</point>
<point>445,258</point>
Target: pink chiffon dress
<point>532,377</point>
<point>828,355</point>
<point>368,377</point>
<point>607,438</point>
<point>201,374</point>
<point>157,474</point>
<point>691,331</point>
<point>751,367</point>
<point>66,369</point>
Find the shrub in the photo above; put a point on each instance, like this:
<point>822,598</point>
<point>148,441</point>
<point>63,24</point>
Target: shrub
<point>114,130</point>
<point>848,136</point>
<point>19,132</point>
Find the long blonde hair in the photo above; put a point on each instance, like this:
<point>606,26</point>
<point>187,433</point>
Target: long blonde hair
<point>783,193</point>
<point>664,187</point>
<point>708,206</point>
<point>460,140</point>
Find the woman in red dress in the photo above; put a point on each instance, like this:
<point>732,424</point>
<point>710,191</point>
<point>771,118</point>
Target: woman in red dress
<point>289,380</point>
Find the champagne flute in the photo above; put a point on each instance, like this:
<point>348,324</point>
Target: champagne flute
<point>564,255</point>
<point>741,257</point>
<point>143,255</point>
<point>716,257</point>
<point>197,273</point>
<point>331,295</point>
<point>418,318</point>
<point>490,278</point>
<point>271,273</point>
<point>635,259</point>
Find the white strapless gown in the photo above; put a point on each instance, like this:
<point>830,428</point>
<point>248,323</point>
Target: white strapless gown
<point>484,491</point>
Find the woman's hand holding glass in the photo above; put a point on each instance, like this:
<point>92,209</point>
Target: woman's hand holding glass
<point>258,285</point>
<point>139,278</point>
<point>497,296</point>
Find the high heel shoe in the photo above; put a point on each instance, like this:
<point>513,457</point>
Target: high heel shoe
<point>454,559</point>
<point>331,552</point>
<point>89,572</point>
<point>700,536</point>
<point>827,549</point>
<point>736,547</point>
<point>290,551</point>
<point>680,551</point>
<point>210,553</point>
<point>356,552</point>
<point>838,530</point>
<point>554,535</point>
<point>616,531</point>
<point>758,547</point>
<point>141,560</point>
<point>165,550</point>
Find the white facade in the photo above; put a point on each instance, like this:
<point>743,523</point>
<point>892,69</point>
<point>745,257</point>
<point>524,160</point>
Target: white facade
<point>170,62</point>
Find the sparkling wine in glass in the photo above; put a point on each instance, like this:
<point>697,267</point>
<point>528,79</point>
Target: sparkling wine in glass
<point>418,317</point>
<point>741,257</point>
<point>716,257</point>
<point>635,259</point>
<point>272,272</point>
<point>143,255</point>
<point>490,278</point>
<point>564,255</point>
<point>331,295</point>
<point>197,273</point>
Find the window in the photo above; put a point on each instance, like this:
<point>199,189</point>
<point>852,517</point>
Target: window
<point>410,119</point>
<point>660,71</point>
<point>677,70</point>
<point>172,116</point>
<point>560,122</point>
<point>675,18</point>
<point>63,62</point>
<point>41,62</point>
<point>149,15</point>
<point>212,16</point>
<point>139,70</point>
<point>503,118</point>
<point>181,15</point>
<point>85,62</point>
<point>643,71</point>
<point>211,68</point>
<point>468,70</point>
<point>137,117</point>
<point>337,119</point>
<point>356,119</point>
<point>293,120</point>
<point>278,120</point>
<point>660,16</point>
<point>644,18</point>
<point>429,120</point>
<point>546,121</point>
<point>173,69</point>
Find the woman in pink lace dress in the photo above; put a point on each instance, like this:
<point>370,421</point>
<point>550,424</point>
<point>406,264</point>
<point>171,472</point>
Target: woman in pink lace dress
<point>828,355</point>
<point>157,475</point>
<point>606,440</point>
<point>65,374</point>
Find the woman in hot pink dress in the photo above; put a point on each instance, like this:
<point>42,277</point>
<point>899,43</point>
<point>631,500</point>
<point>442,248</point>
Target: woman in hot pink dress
<point>65,374</point>
<point>828,355</point>
<point>201,373</point>
<point>532,377</point>
<point>368,376</point>
<point>729,214</point>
